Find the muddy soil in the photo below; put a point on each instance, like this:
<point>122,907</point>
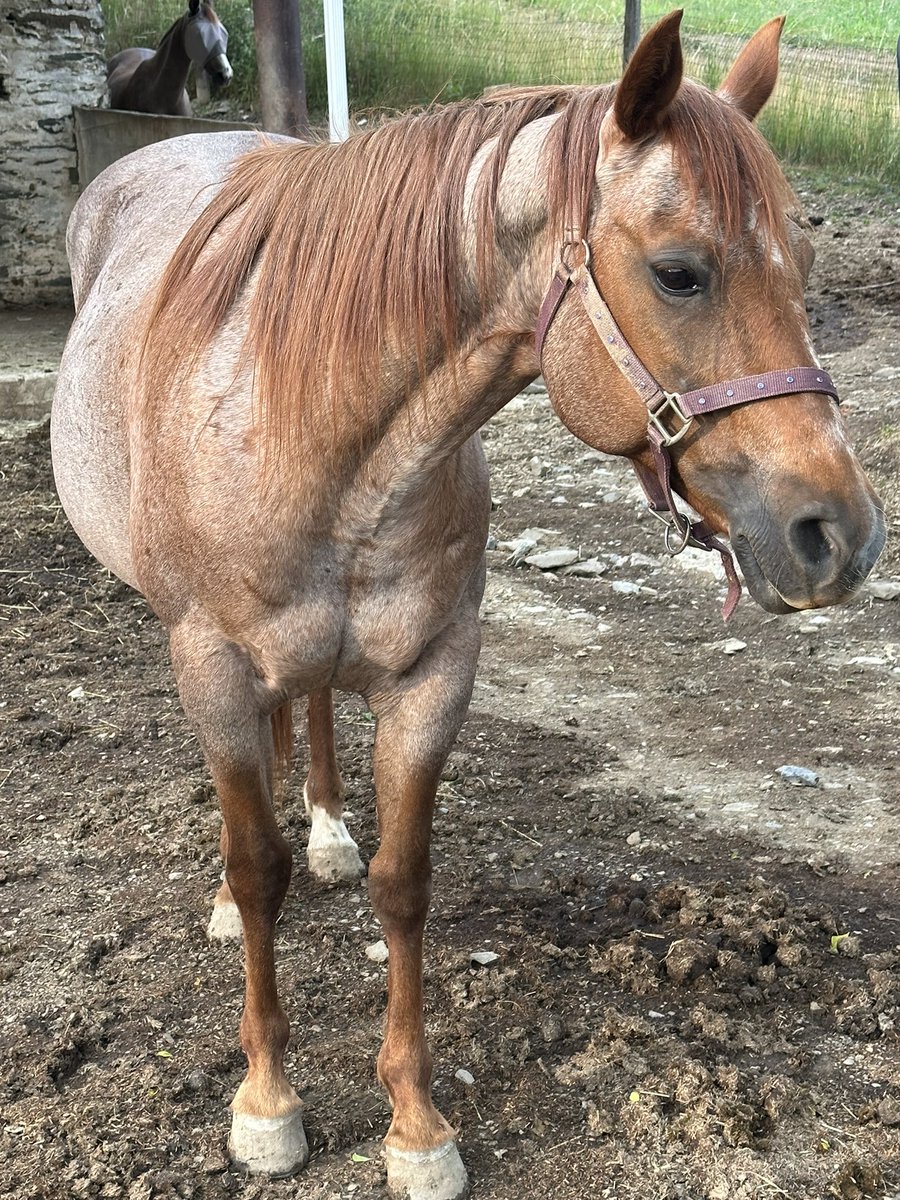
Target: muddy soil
<point>697,987</point>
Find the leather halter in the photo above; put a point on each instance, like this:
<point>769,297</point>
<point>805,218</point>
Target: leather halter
<point>671,414</point>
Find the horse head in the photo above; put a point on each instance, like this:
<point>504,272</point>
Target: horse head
<point>206,43</point>
<point>698,248</point>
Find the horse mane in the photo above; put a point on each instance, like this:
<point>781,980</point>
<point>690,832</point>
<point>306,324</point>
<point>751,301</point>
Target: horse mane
<point>167,34</point>
<point>355,248</point>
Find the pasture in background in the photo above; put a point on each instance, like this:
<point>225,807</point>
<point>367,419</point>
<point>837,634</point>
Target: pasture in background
<point>836,103</point>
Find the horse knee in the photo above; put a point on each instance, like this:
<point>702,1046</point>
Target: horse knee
<point>400,891</point>
<point>258,871</point>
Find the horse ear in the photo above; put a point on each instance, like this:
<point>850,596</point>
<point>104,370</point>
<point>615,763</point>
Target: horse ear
<point>750,82</point>
<point>651,79</point>
<point>193,7</point>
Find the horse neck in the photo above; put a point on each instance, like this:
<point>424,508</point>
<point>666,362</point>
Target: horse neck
<point>496,358</point>
<point>171,64</point>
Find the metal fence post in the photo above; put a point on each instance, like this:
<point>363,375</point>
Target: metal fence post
<point>632,29</point>
<point>336,70</point>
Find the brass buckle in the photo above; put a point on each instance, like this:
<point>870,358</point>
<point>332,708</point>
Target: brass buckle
<point>671,406</point>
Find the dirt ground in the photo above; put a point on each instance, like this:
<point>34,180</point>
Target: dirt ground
<point>697,988</point>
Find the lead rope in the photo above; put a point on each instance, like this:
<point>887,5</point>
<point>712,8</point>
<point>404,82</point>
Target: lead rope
<point>661,503</point>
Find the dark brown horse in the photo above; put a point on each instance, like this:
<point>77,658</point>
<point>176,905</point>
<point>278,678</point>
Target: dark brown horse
<point>155,81</point>
<point>266,420</point>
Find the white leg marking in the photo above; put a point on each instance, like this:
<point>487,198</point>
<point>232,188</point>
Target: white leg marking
<point>225,923</point>
<point>426,1174</point>
<point>331,853</point>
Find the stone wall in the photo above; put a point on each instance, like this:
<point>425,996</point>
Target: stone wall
<point>51,58</point>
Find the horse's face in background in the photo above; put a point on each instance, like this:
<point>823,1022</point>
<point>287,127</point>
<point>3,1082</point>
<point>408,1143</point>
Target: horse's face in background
<point>206,43</point>
<point>704,272</point>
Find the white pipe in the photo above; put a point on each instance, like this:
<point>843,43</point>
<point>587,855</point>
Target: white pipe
<point>336,70</point>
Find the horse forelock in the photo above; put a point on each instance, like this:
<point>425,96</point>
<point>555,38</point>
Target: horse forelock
<point>206,12</point>
<point>709,163</point>
<point>727,163</point>
<point>356,254</point>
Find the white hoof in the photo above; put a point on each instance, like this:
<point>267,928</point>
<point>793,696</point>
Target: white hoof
<point>225,924</point>
<point>268,1145</point>
<point>335,864</point>
<point>426,1174</point>
<point>332,854</point>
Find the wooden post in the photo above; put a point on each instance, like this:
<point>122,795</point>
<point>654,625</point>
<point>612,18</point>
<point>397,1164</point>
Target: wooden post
<point>632,29</point>
<point>279,55</point>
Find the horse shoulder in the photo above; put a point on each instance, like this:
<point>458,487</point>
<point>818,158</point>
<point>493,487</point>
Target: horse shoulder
<point>129,58</point>
<point>120,74</point>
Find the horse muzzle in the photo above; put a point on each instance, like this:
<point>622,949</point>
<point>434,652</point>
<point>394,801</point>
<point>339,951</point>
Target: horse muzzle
<point>818,555</point>
<point>218,68</point>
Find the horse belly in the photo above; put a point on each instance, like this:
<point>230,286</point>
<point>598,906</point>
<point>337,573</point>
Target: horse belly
<point>90,458</point>
<point>123,231</point>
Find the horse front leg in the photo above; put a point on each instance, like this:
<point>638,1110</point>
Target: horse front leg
<point>416,726</point>
<point>229,709</point>
<point>331,853</point>
<point>225,919</point>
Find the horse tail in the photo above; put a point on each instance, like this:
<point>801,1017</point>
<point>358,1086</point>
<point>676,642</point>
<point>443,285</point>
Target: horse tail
<point>283,742</point>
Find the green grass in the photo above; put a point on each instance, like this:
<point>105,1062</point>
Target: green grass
<point>836,102</point>
<point>860,138</point>
<point>865,24</point>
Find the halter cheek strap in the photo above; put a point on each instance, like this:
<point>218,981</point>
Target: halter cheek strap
<point>671,414</point>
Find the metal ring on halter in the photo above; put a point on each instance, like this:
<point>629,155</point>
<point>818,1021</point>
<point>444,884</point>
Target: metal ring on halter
<point>565,247</point>
<point>684,533</point>
<point>673,524</point>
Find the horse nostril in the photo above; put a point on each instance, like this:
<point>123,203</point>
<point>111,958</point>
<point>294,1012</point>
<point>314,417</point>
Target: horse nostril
<point>820,545</point>
<point>812,542</point>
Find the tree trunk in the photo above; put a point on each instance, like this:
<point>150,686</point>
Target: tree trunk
<point>279,55</point>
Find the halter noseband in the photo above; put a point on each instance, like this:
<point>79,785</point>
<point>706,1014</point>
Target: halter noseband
<point>666,409</point>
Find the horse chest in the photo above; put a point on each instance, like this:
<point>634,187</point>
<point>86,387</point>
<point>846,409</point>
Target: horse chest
<point>351,629</point>
<point>398,573</point>
<point>388,627</point>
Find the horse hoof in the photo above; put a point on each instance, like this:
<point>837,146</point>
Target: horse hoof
<point>331,853</point>
<point>225,924</point>
<point>339,863</point>
<point>426,1174</point>
<point>268,1145</point>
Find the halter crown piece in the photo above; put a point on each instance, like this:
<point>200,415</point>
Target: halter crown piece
<point>670,414</point>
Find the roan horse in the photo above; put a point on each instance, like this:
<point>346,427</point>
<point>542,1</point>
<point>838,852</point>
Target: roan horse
<point>266,421</point>
<point>155,81</point>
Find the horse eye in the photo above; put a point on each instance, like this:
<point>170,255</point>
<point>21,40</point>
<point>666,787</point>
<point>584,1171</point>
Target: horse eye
<point>678,281</point>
